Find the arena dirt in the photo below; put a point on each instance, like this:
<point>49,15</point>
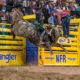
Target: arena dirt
<point>39,73</point>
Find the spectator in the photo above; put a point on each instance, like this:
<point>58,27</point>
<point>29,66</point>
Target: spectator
<point>40,17</point>
<point>78,1</point>
<point>45,11</point>
<point>50,8</point>
<point>8,17</point>
<point>9,5</point>
<point>78,11</point>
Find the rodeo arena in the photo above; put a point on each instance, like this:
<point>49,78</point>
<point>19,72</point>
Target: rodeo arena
<point>39,39</point>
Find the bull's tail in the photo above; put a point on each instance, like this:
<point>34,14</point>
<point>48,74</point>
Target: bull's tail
<point>13,33</point>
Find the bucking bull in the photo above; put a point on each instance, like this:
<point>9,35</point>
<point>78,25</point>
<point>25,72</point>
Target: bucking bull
<point>24,28</point>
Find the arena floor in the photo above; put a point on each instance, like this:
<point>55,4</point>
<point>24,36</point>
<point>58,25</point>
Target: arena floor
<point>39,73</point>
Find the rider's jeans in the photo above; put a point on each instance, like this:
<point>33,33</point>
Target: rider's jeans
<point>65,25</point>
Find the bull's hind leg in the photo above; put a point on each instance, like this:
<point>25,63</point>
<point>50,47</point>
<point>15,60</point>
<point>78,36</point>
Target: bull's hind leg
<point>59,45</point>
<point>13,34</point>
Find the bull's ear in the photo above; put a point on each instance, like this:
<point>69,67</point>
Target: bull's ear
<point>20,14</point>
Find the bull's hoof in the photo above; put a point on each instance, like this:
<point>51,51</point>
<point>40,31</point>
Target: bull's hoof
<point>66,36</point>
<point>41,42</point>
<point>14,36</point>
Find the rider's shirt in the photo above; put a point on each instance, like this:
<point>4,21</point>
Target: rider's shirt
<point>51,20</point>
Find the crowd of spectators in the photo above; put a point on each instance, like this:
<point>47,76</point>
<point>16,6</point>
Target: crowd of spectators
<point>51,12</point>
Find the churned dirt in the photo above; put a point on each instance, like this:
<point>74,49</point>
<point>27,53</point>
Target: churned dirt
<point>39,73</point>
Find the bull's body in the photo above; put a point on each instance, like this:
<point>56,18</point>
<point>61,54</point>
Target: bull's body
<point>27,30</point>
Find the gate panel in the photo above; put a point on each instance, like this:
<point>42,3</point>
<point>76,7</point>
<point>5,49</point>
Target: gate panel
<point>59,56</point>
<point>12,51</point>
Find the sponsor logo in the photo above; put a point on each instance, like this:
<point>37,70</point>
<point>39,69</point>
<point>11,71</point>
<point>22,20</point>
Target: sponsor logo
<point>61,58</point>
<point>7,57</point>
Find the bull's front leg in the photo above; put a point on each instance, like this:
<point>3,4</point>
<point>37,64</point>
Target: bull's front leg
<point>49,47</point>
